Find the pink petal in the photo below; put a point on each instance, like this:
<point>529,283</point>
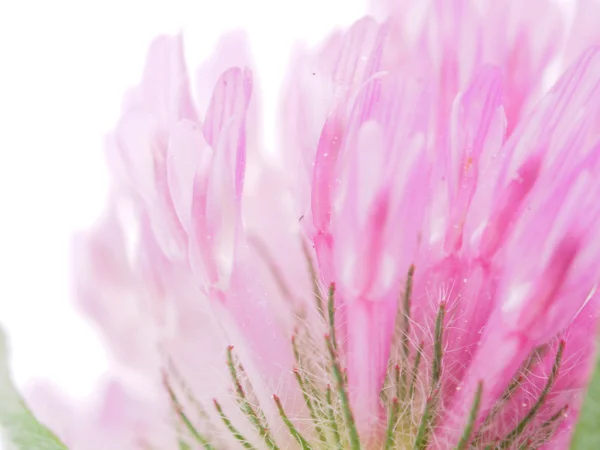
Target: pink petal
<point>165,88</point>
<point>474,127</point>
<point>187,151</point>
<point>370,329</point>
<point>230,98</point>
<point>232,50</point>
<point>217,193</point>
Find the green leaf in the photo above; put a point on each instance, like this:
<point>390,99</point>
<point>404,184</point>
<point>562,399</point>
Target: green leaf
<point>587,432</point>
<point>18,425</point>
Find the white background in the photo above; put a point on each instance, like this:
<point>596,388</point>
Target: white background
<point>63,68</point>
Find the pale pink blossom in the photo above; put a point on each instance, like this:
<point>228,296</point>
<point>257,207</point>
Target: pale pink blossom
<point>424,250</point>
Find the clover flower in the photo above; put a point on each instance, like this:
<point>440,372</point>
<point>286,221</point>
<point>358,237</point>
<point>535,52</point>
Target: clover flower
<point>414,267</point>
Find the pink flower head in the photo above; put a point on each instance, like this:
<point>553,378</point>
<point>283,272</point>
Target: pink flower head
<point>419,271</point>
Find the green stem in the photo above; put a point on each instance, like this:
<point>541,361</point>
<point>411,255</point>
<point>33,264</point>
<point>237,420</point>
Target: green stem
<point>341,390</point>
<point>234,431</point>
<point>309,405</point>
<point>202,440</point>
<point>331,416</point>
<point>466,437</point>
<point>313,278</point>
<point>294,432</point>
<point>331,314</point>
<point>415,371</point>
<point>391,426</point>
<point>425,426</point>
<point>246,408</point>
<point>516,432</point>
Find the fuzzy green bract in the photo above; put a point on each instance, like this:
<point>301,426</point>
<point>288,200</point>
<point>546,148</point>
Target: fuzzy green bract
<point>20,428</point>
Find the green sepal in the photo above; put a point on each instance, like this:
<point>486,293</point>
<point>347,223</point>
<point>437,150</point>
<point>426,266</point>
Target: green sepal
<point>19,427</point>
<point>587,431</point>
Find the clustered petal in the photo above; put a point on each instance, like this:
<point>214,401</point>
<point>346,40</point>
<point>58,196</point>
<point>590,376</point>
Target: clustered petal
<point>416,268</point>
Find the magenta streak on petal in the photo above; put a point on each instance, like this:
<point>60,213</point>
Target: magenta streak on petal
<point>549,284</point>
<point>374,242</point>
<point>324,173</point>
<point>508,207</point>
